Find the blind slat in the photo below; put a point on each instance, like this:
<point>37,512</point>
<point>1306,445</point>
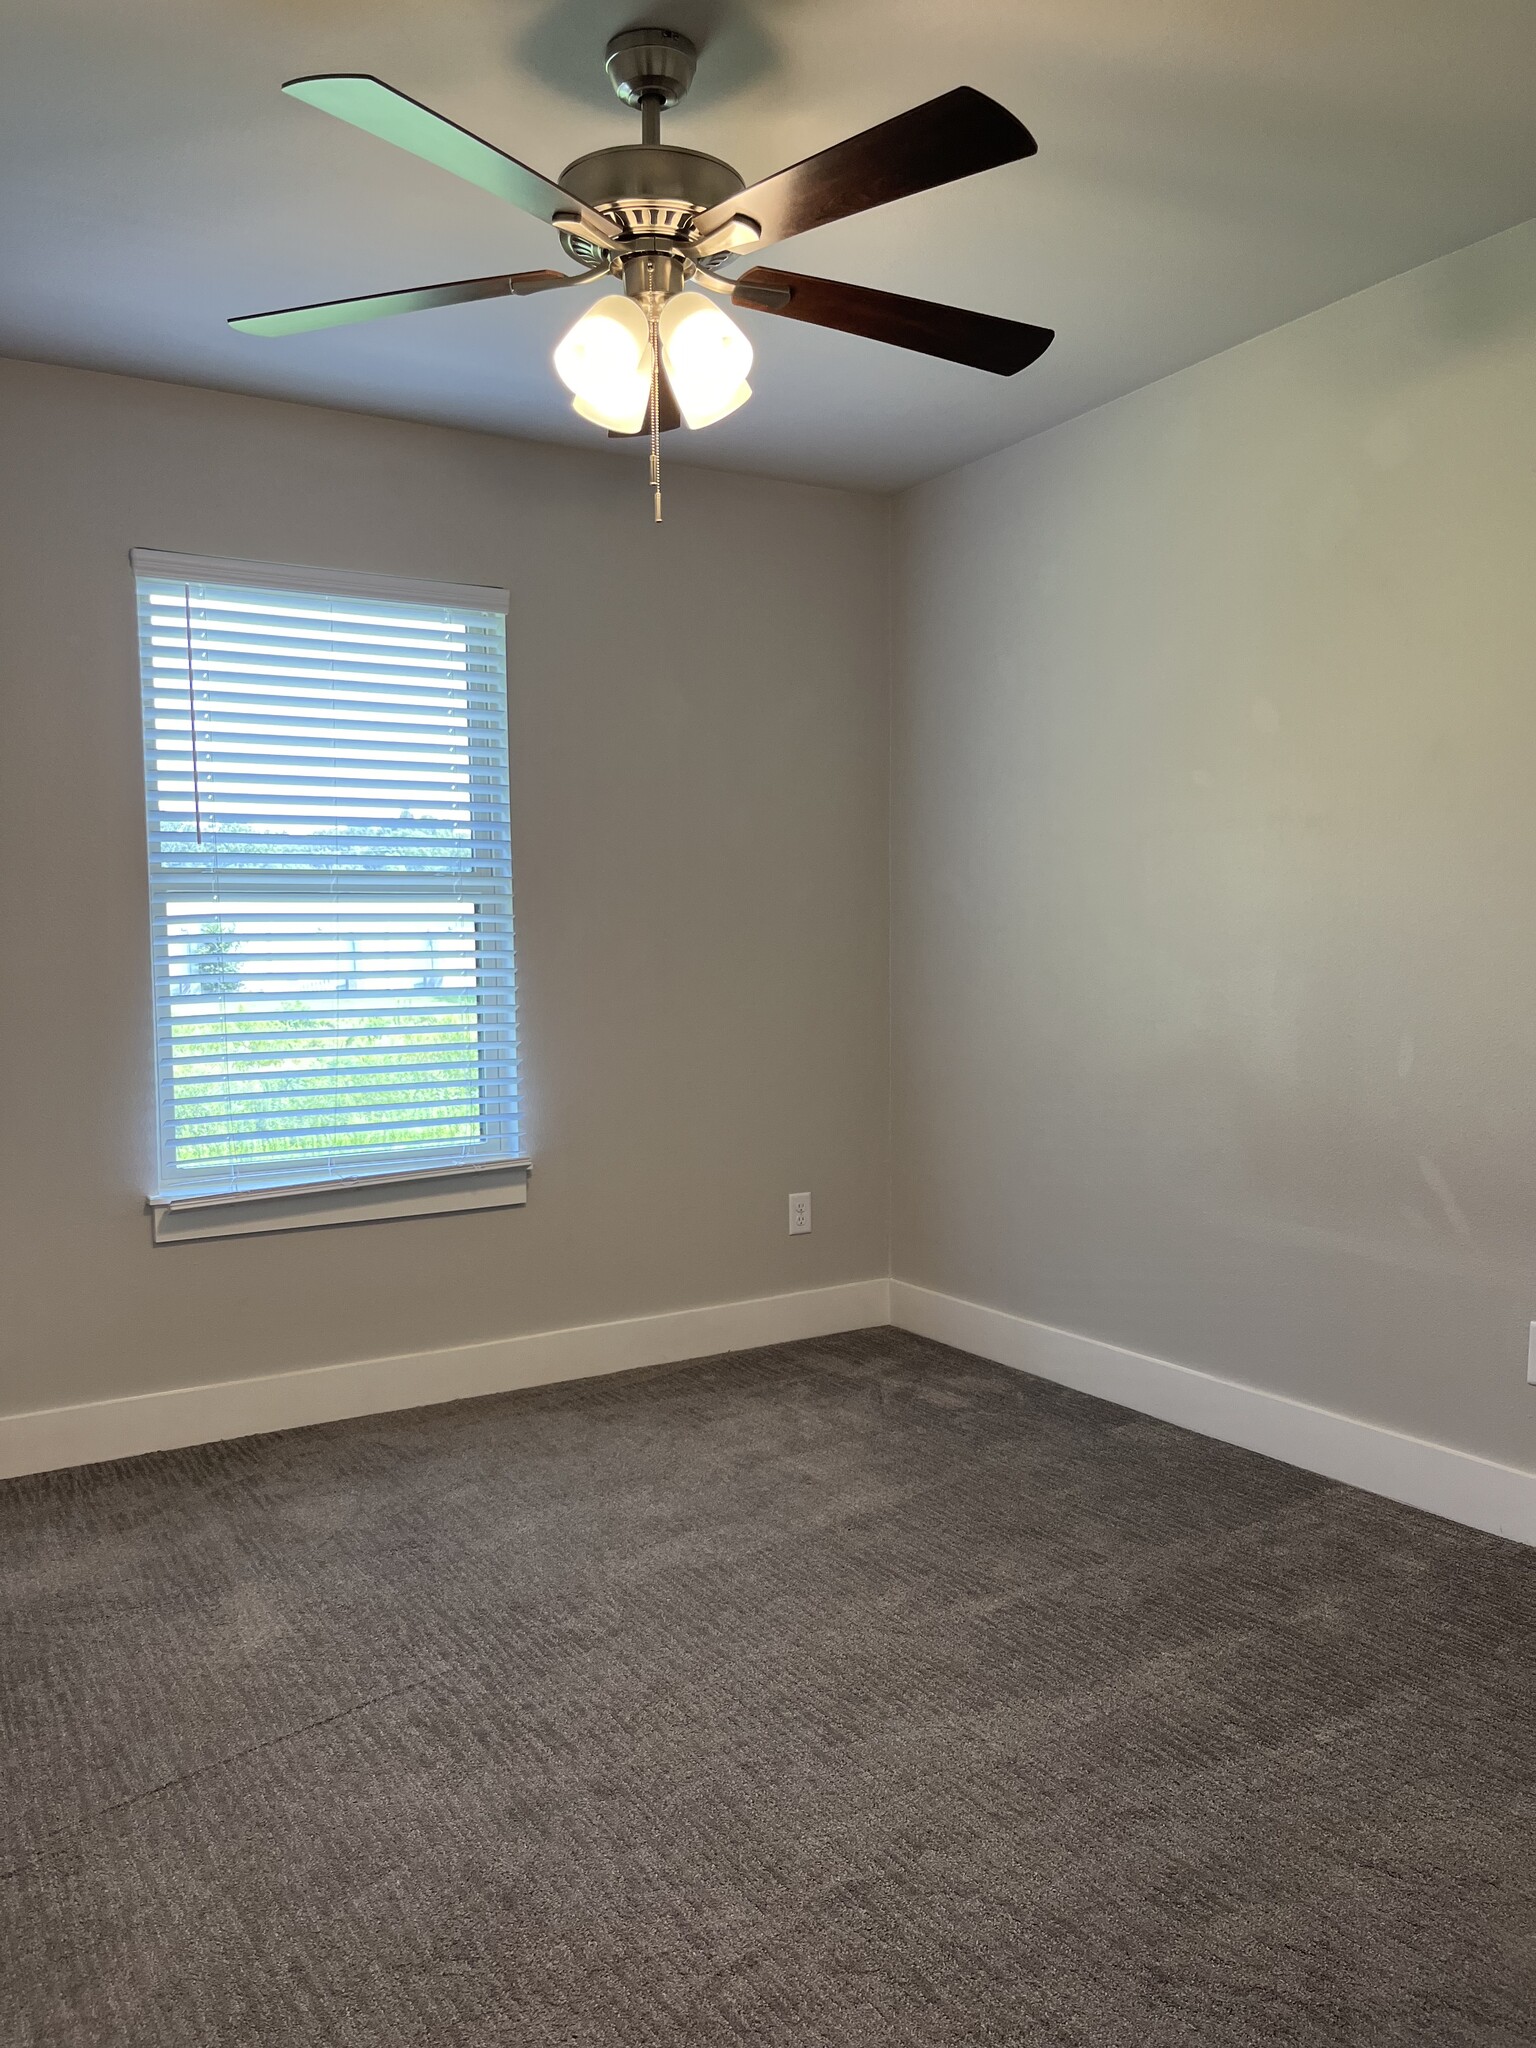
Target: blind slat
<point>461,1077</point>
<point>355,1010</point>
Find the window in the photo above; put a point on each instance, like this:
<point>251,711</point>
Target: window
<point>330,895</point>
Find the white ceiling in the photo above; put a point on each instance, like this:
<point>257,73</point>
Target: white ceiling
<point>1208,169</point>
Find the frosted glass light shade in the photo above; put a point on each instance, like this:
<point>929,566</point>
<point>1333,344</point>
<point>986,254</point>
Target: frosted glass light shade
<point>707,358</point>
<point>605,361</point>
<point>627,417</point>
<point>698,415</point>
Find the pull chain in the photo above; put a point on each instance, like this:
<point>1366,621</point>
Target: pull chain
<point>656,420</point>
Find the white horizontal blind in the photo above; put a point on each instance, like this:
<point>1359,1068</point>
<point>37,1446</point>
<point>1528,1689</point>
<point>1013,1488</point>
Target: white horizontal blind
<point>330,875</point>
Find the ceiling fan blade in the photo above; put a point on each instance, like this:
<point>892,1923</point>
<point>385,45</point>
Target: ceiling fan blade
<point>980,339</point>
<point>668,414</point>
<point>954,136</point>
<point>340,312</point>
<point>368,103</point>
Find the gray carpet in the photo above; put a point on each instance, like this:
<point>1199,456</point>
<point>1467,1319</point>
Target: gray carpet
<point>846,1692</point>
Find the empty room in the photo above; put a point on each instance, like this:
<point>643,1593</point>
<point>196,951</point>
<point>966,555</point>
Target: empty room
<point>768,1033</point>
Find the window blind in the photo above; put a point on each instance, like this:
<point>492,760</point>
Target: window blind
<point>330,875</point>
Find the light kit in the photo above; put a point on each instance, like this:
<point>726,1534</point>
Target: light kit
<point>606,361</point>
<point>664,223</point>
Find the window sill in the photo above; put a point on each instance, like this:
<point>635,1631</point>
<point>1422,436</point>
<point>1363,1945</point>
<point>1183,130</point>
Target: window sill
<point>439,1191</point>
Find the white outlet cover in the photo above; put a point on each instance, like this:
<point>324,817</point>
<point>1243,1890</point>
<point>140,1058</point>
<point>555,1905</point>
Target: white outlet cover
<point>1530,1357</point>
<point>799,1215</point>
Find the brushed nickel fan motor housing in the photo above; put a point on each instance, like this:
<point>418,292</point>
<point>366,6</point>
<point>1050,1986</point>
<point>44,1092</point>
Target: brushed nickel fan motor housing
<point>648,188</point>
<point>651,186</point>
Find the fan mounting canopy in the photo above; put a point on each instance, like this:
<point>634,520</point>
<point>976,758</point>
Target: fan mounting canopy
<point>650,64</point>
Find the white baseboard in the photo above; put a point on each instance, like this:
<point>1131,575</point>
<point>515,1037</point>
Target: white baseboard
<point>1456,1484</point>
<point>84,1434</point>
<point>1436,1477</point>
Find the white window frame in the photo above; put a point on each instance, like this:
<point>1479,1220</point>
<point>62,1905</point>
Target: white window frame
<point>182,1212</point>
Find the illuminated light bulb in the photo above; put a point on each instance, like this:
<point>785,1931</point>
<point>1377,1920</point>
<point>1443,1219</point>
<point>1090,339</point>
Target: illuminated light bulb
<point>707,358</point>
<point>605,361</point>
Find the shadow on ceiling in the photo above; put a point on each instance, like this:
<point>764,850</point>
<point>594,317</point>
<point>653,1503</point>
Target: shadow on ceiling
<point>562,43</point>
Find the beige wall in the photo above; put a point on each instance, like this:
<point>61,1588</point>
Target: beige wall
<point>1214,830</point>
<point>699,795</point>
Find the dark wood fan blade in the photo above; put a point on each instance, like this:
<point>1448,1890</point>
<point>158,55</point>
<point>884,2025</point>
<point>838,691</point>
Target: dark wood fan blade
<point>668,415</point>
<point>368,103</point>
<point>954,136</point>
<point>980,339</point>
<point>340,312</point>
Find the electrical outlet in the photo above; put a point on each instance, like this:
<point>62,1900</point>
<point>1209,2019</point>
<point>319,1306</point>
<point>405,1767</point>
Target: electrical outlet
<point>799,1215</point>
<point>1530,1356</point>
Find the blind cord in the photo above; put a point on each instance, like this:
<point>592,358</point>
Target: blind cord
<point>197,803</point>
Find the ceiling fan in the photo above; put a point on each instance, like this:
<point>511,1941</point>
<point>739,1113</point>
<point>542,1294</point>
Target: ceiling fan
<point>662,220</point>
